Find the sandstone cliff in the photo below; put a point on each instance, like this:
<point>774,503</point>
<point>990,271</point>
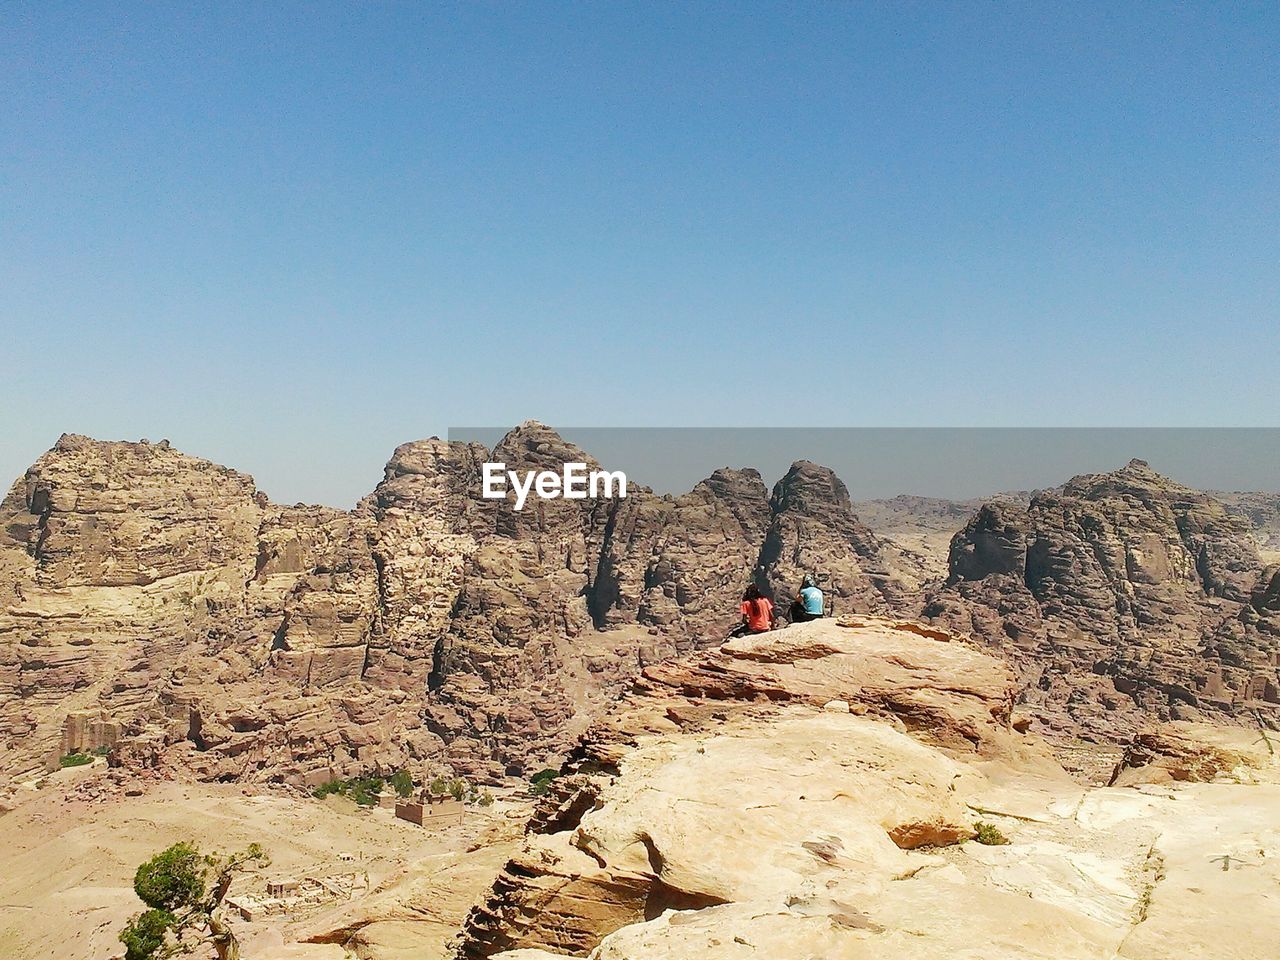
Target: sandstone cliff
<point>814,794</point>
<point>111,556</point>
<point>1120,596</point>
<point>162,606</point>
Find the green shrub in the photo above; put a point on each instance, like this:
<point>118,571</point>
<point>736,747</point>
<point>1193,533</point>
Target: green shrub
<point>455,787</point>
<point>540,782</point>
<point>325,789</point>
<point>486,799</point>
<point>75,759</point>
<point>143,936</point>
<point>183,890</point>
<point>989,834</point>
<point>401,782</point>
<point>365,790</point>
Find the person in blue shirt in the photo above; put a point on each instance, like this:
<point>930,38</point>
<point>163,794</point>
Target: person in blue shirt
<point>809,602</point>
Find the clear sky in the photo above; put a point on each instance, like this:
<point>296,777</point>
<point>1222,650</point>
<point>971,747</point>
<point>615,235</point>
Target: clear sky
<point>289,237</point>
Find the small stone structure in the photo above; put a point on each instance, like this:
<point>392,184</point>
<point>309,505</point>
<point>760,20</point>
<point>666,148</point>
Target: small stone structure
<point>282,888</point>
<point>296,894</point>
<point>1261,687</point>
<point>431,810</point>
<point>86,730</point>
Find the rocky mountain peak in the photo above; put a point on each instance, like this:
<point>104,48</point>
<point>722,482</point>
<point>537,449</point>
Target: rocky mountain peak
<point>993,542</point>
<point>1125,575</point>
<point>744,494</point>
<point>811,488</point>
<point>165,597</point>
<point>813,530</point>
<point>116,513</point>
<point>536,446</point>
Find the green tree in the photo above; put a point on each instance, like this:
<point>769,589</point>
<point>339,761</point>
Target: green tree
<point>184,890</point>
<point>144,935</point>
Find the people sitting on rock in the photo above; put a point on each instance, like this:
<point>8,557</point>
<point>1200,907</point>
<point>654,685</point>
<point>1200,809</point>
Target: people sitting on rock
<point>808,604</point>
<point>757,613</point>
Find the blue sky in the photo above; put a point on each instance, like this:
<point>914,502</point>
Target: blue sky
<point>289,237</point>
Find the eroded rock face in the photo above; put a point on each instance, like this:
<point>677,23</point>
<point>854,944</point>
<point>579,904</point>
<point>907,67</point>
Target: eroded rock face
<point>93,514</point>
<point>1121,596</point>
<point>425,529</point>
<point>231,638</point>
<point>716,756</point>
<point>227,637</point>
<point>330,613</point>
<point>679,565</point>
<point>813,528</point>
<point>1266,594</point>
<point>918,677</point>
<point>721,782</point>
<point>557,606</point>
<point>731,817</point>
<point>518,658</point>
<point>1185,752</point>
<point>109,554</point>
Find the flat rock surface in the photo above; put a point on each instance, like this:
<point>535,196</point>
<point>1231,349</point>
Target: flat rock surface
<point>788,830</point>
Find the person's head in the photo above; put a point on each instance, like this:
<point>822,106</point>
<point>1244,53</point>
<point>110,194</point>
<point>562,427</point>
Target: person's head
<point>808,581</point>
<point>752,593</point>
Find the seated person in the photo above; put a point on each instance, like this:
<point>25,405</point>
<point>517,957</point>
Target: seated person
<point>809,602</point>
<point>757,613</point>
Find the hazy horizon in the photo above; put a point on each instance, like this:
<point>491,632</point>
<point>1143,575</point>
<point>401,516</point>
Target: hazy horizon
<point>880,463</point>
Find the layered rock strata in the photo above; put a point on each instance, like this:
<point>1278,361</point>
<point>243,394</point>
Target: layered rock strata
<point>1120,596</point>
<point>227,637</point>
<point>818,794</point>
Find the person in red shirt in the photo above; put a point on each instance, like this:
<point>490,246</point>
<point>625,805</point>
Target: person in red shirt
<point>757,613</point>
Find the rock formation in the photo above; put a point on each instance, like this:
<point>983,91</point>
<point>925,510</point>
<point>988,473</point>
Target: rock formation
<point>162,607</point>
<point>811,795</point>
<point>1120,596</point>
<point>810,792</point>
<point>110,555</point>
<point>1262,512</point>
<point>734,744</point>
<point>1184,752</point>
<point>219,635</point>
<point>813,528</point>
